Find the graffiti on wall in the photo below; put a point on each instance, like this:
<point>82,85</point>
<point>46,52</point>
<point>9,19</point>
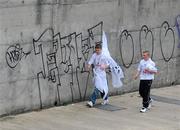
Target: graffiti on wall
<point>146,42</point>
<point>62,59</point>
<point>14,54</point>
<point>65,59</point>
<point>178,27</point>
<point>167,40</point>
<point>126,43</point>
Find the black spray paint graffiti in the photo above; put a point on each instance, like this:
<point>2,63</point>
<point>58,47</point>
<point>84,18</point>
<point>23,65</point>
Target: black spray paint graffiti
<point>126,44</point>
<point>14,54</point>
<point>146,42</point>
<point>62,59</point>
<point>146,35</point>
<point>178,28</point>
<point>49,67</point>
<point>65,60</point>
<point>167,41</point>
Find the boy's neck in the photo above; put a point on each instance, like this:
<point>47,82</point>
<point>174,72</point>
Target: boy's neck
<point>98,53</point>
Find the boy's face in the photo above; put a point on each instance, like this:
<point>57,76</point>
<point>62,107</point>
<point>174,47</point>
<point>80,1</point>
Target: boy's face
<point>98,51</point>
<point>145,56</point>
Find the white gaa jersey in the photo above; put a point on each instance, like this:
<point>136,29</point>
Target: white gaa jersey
<point>149,64</point>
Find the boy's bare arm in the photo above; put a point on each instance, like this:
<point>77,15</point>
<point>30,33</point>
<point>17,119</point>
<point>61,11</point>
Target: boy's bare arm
<point>136,75</point>
<point>88,67</point>
<point>151,71</point>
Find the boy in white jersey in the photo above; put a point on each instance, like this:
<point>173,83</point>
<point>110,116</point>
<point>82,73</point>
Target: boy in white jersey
<point>146,71</point>
<point>100,63</point>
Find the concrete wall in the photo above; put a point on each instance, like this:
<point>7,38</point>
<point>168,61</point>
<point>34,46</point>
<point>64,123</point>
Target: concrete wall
<point>44,45</point>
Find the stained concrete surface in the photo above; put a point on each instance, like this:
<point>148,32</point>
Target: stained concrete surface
<point>163,115</point>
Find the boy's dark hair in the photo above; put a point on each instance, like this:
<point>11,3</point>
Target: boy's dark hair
<point>98,46</point>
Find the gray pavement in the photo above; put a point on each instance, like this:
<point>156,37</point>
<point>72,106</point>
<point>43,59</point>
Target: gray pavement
<point>121,114</point>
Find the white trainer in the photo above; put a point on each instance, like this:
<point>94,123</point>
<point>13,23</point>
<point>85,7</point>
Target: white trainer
<point>90,104</point>
<point>143,109</point>
<point>105,102</point>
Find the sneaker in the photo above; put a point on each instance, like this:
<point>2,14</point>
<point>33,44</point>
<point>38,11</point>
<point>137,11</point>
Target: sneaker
<point>90,104</point>
<point>143,110</point>
<point>105,102</point>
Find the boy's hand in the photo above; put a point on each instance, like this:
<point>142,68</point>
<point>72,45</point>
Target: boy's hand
<point>103,66</point>
<point>135,77</point>
<point>88,67</point>
<point>146,71</point>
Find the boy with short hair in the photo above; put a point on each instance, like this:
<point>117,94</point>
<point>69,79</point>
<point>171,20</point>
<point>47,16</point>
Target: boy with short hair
<point>146,71</point>
<point>100,63</point>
